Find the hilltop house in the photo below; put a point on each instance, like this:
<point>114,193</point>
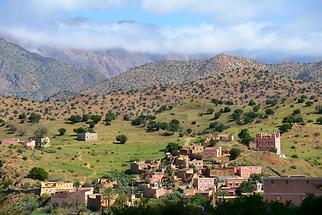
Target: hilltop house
<point>291,189</point>
<point>86,136</point>
<point>266,142</point>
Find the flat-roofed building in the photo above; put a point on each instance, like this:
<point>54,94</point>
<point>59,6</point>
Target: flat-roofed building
<point>291,189</point>
<point>53,187</point>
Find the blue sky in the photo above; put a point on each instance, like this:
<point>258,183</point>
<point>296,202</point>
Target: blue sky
<point>266,27</point>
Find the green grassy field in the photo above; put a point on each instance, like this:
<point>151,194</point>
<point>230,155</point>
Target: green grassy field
<point>68,158</point>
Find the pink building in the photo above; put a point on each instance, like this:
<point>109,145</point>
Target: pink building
<point>266,142</point>
<point>212,153</point>
<point>29,144</point>
<point>203,183</point>
<point>294,189</point>
<point>12,141</point>
<point>154,191</point>
<point>155,177</point>
<point>77,197</point>
<point>247,171</point>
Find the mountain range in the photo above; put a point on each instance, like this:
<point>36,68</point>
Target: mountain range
<point>57,73</point>
<point>182,72</point>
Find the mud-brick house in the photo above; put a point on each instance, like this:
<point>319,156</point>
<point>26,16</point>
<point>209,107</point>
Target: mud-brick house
<point>265,142</point>
<point>210,153</point>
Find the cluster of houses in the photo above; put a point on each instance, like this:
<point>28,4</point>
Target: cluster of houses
<point>194,170</point>
<point>30,144</point>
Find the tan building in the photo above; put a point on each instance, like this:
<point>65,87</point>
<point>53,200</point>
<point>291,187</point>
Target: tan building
<point>294,189</point>
<point>220,137</point>
<point>87,136</point>
<point>53,187</point>
<point>42,142</point>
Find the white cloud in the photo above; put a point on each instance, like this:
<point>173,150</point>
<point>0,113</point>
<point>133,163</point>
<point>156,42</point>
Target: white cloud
<point>205,38</point>
<point>236,25</point>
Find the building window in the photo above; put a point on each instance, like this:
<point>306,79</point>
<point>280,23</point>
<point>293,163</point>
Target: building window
<point>278,198</point>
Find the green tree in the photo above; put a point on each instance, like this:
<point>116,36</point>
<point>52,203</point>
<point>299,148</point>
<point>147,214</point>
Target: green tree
<point>246,187</point>
<point>210,111</point>
<point>269,111</point>
<point>34,118</point>
<point>121,139</point>
<point>217,115</point>
<point>318,109</point>
<point>173,148</point>
<point>126,117</point>
<point>41,132</point>
<point>85,117</point>
<point>96,118</point>
<point>174,126</point>
<point>38,173</point>
<point>22,117</point>
<point>75,119</point>
<point>245,137</point>
<point>296,111</point>
<point>62,131</point>
<point>234,153</point>
<point>319,120</point>
<point>110,116</point>
<point>79,130</point>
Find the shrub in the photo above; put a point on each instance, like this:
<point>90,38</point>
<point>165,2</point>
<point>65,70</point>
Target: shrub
<point>269,111</point>
<point>62,131</point>
<point>210,111</point>
<point>121,139</point>
<point>296,111</point>
<point>79,130</point>
<point>318,109</point>
<point>217,115</point>
<point>294,156</point>
<point>38,173</point>
<point>319,120</point>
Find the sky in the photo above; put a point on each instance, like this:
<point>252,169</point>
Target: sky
<point>253,27</point>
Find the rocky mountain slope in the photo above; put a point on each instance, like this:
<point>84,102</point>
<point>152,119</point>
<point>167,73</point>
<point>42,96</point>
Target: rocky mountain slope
<point>33,76</point>
<point>110,62</point>
<point>182,72</point>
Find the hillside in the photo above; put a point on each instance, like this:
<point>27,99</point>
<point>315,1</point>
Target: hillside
<point>239,85</point>
<point>109,62</point>
<point>182,72</point>
<point>30,75</point>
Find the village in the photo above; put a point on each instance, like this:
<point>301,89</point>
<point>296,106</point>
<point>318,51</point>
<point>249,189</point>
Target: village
<point>192,169</point>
